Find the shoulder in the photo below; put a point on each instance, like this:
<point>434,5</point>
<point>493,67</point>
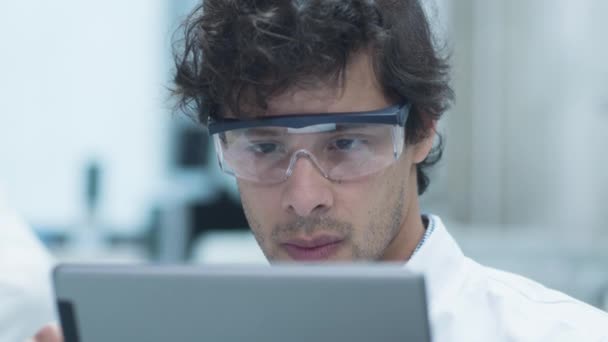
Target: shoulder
<point>472,302</point>
<point>524,304</point>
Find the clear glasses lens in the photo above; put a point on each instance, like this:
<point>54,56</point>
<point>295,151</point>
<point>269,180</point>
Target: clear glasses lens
<point>341,151</point>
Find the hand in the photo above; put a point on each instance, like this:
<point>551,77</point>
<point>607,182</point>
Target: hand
<point>49,333</point>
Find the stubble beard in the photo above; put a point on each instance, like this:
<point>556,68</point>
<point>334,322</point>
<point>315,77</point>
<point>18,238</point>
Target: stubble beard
<point>382,228</point>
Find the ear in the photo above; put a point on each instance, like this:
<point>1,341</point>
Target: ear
<point>422,149</point>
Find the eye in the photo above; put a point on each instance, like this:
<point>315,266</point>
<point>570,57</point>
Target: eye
<point>346,144</point>
<point>264,147</point>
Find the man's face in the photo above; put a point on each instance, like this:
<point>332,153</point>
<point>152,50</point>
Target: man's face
<point>310,218</point>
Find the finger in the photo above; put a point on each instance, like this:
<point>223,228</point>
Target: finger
<point>49,333</point>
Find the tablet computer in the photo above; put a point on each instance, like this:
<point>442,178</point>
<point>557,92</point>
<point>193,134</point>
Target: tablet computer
<point>356,303</point>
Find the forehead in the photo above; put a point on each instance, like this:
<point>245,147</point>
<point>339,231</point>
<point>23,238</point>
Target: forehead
<point>359,91</point>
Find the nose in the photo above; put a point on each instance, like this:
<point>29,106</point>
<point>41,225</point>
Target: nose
<point>307,192</point>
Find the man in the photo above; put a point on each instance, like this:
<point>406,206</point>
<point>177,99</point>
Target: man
<point>325,112</point>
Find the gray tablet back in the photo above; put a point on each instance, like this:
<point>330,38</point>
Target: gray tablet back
<point>241,303</point>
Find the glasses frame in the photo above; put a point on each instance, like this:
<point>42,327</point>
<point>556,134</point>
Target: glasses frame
<point>393,115</point>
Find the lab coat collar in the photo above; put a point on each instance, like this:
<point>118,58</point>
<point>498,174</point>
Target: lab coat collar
<point>442,263</point>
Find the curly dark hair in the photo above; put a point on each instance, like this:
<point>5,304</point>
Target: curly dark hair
<point>237,52</point>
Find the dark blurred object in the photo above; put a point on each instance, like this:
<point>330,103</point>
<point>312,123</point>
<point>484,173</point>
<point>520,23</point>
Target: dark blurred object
<point>191,147</point>
<point>92,186</point>
<point>152,238</point>
<point>53,239</point>
<point>196,203</point>
<point>222,214</point>
<point>89,235</point>
<point>183,223</point>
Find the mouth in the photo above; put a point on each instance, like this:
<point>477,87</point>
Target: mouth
<point>312,249</point>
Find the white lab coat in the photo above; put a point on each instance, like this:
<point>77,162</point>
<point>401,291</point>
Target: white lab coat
<point>470,302</point>
<point>25,291</point>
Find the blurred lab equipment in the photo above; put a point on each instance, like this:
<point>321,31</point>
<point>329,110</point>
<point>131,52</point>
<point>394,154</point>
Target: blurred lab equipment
<point>200,200</point>
<point>88,237</point>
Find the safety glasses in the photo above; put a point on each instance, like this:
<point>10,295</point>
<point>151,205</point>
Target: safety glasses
<point>343,146</point>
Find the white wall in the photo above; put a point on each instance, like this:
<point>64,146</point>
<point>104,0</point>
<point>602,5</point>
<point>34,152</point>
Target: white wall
<point>527,138</point>
<point>557,118</point>
<point>81,80</point>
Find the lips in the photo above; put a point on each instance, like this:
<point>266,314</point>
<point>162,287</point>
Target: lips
<point>315,249</point>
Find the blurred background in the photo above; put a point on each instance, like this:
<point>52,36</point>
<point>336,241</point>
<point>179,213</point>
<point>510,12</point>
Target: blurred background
<point>94,159</point>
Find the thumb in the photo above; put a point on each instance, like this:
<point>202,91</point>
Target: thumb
<point>49,333</point>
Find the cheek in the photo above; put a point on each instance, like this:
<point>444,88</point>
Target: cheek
<point>369,199</point>
<point>378,188</point>
<point>359,202</point>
